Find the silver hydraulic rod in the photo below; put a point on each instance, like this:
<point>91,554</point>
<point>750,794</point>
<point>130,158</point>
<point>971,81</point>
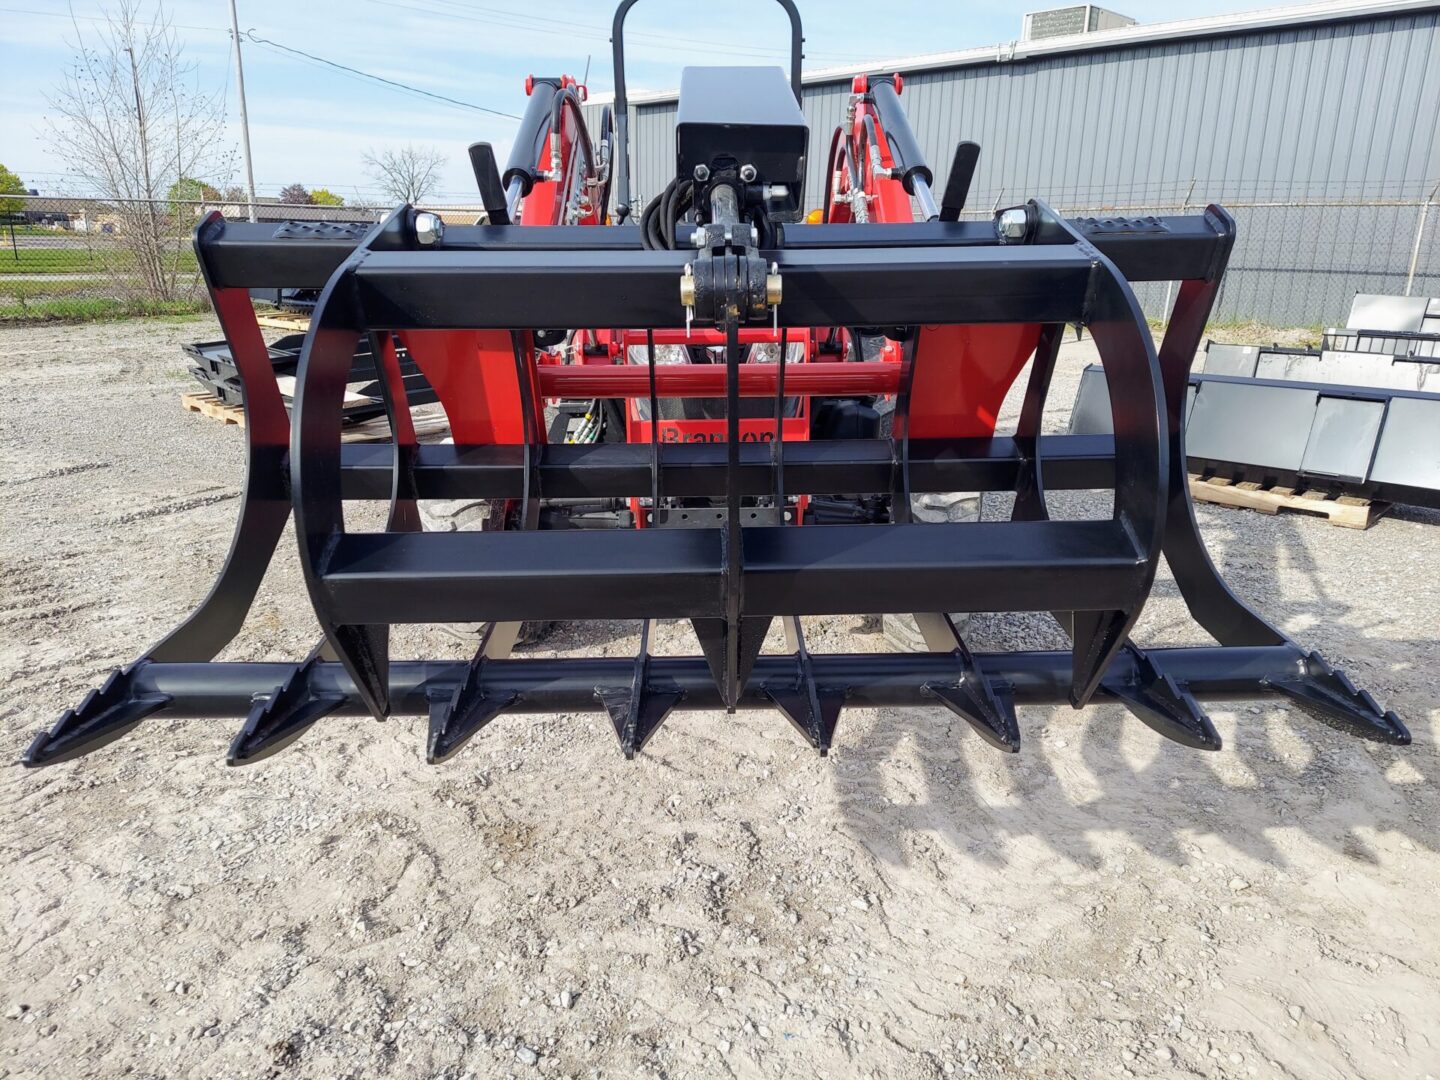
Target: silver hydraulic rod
<point>928,210</point>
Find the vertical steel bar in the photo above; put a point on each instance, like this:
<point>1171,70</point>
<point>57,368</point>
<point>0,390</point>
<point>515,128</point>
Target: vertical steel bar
<point>777,446</point>
<point>530,500</point>
<point>654,431</point>
<point>732,536</point>
<point>900,433</point>
<point>1419,237</point>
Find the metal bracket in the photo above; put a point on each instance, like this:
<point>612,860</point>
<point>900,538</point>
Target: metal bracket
<point>637,710</point>
<point>104,716</point>
<point>277,721</point>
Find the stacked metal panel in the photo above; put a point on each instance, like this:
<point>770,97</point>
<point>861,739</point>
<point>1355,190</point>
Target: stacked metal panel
<point>1362,419</point>
<point>214,369</point>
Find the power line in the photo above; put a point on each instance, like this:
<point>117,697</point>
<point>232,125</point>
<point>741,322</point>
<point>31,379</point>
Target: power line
<point>486,16</point>
<point>377,78</point>
<point>101,19</point>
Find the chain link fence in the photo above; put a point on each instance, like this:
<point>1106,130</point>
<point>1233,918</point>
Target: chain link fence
<point>1296,263</point>
<point>88,258</point>
<point>1301,263</point>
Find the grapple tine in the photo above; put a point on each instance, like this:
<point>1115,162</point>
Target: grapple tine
<point>102,717</point>
<point>813,715</point>
<point>637,710</point>
<point>278,720</point>
<point>1162,704</point>
<point>1327,694</point>
<point>813,710</point>
<point>984,705</point>
<point>1098,636</point>
<point>458,717</point>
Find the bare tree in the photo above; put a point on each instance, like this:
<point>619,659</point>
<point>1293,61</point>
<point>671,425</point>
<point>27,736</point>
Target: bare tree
<point>408,174</point>
<point>131,122</point>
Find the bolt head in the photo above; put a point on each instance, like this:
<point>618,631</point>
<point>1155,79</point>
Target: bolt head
<point>1012,224</point>
<point>748,173</point>
<point>702,173</point>
<point>429,228</point>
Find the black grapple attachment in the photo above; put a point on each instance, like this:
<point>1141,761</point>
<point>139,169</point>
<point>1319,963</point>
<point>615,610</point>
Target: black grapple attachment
<point>710,512</point>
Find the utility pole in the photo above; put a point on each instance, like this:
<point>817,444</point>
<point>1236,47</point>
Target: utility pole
<point>244,119</point>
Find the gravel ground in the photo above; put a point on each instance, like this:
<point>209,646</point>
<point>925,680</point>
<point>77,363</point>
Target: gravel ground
<point>1105,903</point>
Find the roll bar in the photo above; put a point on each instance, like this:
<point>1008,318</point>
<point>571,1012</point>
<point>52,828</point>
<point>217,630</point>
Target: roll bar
<point>622,112</point>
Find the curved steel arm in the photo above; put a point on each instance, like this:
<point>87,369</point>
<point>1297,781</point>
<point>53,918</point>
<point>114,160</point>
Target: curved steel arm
<point>622,112</point>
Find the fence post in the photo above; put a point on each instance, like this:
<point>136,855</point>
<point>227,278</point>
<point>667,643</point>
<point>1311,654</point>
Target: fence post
<point>1419,236</point>
<point>1170,285</point>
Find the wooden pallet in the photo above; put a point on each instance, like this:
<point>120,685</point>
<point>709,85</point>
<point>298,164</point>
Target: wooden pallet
<point>293,322</point>
<point>211,406</point>
<point>376,429</point>
<point>1343,510</point>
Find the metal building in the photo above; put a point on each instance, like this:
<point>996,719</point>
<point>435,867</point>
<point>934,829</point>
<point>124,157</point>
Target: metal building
<point>1318,125</point>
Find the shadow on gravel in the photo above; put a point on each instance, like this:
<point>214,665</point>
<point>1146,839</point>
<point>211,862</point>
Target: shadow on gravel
<point>1077,777</point>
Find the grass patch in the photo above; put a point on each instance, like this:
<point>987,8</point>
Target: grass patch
<point>87,309</point>
<point>64,287</point>
<point>78,259</point>
<point>1250,332</point>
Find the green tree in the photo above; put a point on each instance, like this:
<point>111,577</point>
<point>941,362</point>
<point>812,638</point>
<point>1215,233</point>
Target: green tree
<point>324,197</point>
<point>189,190</point>
<point>10,185</point>
<point>129,120</point>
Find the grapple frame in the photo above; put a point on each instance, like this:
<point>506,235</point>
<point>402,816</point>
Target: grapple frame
<point>734,579</point>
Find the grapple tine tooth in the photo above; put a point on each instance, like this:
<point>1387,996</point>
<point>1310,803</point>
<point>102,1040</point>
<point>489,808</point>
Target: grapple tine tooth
<point>815,719</point>
<point>1326,694</point>
<point>277,721</point>
<point>637,711</point>
<point>813,710</point>
<point>985,706</point>
<point>990,713</point>
<point>458,717</point>
<point>1162,704</point>
<point>795,707</point>
<point>636,718</point>
<point>453,722</point>
<point>102,716</point>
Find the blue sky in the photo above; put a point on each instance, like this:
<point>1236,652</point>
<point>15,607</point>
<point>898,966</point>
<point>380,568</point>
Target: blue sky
<point>312,124</point>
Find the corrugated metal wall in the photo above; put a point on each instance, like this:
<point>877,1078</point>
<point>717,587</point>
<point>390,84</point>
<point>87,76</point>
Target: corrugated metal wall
<point>1339,111</point>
